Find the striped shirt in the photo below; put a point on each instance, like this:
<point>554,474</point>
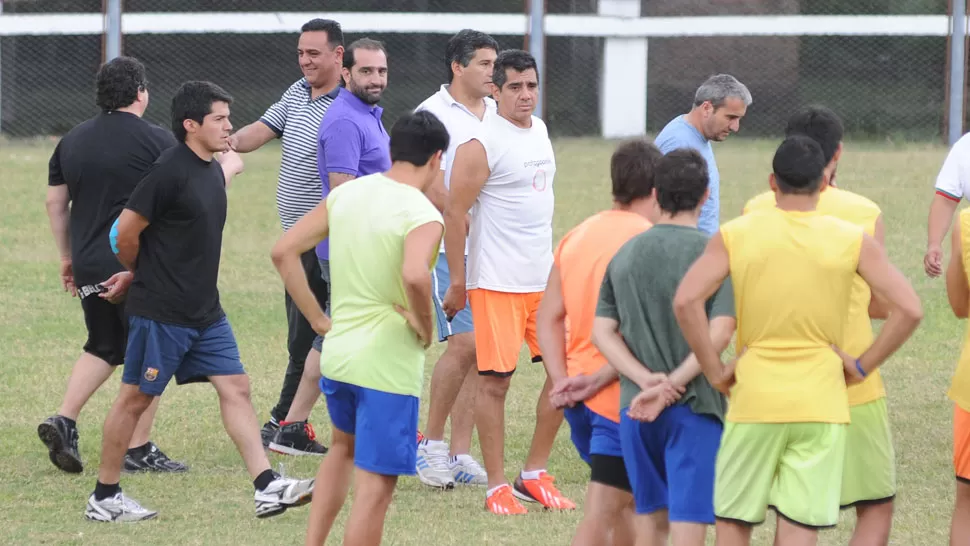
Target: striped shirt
<point>295,118</point>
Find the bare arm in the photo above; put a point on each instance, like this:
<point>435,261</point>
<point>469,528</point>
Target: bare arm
<point>699,284</point>
<point>420,249</point>
<point>551,328</point>
<point>941,215</point>
<point>722,329</point>
<point>906,312</point>
<point>130,226</point>
<point>309,230</point>
<point>878,309</point>
<point>957,290</point>
<point>337,179</point>
<point>607,338</point>
<point>437,192</point>
<point>251,137</point>
<point>468,177</point>
<point>59,214</point>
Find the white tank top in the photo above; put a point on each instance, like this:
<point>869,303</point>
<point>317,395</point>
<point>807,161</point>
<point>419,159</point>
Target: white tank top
<point>510,240</point>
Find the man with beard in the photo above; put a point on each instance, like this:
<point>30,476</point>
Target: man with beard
<point>351,143</point>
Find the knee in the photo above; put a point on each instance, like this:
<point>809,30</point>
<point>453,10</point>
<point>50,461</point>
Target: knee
<point>494,387</point>
<point>238,390</point>
<point>132,400</point>
<point>462,346</point>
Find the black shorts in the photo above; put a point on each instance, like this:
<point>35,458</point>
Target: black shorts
<point>609,470</point>
<point>107,327</point>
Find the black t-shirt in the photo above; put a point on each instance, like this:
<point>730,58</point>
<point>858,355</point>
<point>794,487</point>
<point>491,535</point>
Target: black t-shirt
<point>183,198</point>
<point>101,161</point>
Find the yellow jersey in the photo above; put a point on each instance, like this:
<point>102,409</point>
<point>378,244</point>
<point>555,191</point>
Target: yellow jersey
<point>858,210</point>
<point>793,275</point>
<point>960,385</point>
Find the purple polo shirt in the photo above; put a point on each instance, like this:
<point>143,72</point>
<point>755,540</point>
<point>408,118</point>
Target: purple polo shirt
<point>351,140</point>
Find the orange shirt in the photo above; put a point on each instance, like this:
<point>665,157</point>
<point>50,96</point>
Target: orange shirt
<point>582,257</point>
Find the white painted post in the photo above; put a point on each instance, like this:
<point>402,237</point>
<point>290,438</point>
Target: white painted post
<point>112,29</point>
<point>1,78</point>
<point>623,83</point>
<point>958,65</point>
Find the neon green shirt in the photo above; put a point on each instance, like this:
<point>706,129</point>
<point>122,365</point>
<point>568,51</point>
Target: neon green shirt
<point>371,344</point>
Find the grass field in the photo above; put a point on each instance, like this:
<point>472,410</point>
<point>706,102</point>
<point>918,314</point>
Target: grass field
<point>41,332</point>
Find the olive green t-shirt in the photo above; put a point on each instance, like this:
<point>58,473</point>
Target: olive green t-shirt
<point>638,292</point>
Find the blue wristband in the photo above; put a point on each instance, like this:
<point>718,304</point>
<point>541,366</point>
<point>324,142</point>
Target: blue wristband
<point>858,366</point>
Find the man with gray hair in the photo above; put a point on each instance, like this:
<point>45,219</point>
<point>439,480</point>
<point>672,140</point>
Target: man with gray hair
<point>719,104</point>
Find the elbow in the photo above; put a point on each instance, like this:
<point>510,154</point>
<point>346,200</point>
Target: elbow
<point>55,206</point>
<point>416,279</point>
<point>913,312</point>
<point>681,305</point>
<point>960,308</point>
<point>278,255</point>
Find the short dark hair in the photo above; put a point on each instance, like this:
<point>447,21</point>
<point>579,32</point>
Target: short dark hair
<point>821,125</point>
<point>335,35</point>
<point>193,100</point>
<point>418,136</point>
<point>798,165</point>
<point>463,46</point>
<point>681,180</point>
<point>517,60</point>
<point>363,43</point>
<point>119,81</point>
<point>632,170</point>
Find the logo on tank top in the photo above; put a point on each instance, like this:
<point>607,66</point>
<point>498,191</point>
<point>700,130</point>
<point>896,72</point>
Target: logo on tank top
<point>539,180</point>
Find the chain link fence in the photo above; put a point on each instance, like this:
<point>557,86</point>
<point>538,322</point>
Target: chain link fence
<point>883,86</point>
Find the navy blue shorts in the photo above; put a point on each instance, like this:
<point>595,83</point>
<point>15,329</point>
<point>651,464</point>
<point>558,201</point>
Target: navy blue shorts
<point>592,434</point>
<point>384,426</point>
<point>158,351</point>
<point>671,463</point>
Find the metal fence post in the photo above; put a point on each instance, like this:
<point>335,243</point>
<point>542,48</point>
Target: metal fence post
<point>112,29</point>
<point>958,35</point>
<point>537,46</point>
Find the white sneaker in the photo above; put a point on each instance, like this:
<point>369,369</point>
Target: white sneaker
<point>283,493</point>
<point>116,509</point>
<point>432,465</point>
<point>467,471</point>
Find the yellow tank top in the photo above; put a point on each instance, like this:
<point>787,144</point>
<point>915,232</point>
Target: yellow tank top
<point>793,274</point>
<point>862,212</point>
<point>960,385</point>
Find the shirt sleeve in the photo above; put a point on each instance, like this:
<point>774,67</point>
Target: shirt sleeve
<point>155,194</point>
<point>722,303</point>
<point>606,305</point>
<point>341,144</point>
<point>275,116</point>
<point>954,176</point>
<point>54,175</point>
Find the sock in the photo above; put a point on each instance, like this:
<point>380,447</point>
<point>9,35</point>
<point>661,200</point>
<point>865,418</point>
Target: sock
<point>274,421</point>
<point>434,443</point>
<point>532,475</point>
<point>139,451</point>
<point>264,479</point>
<point>494,489</point>
<point>71,422</point>
<point>457,459</point>
<point>103,491</point>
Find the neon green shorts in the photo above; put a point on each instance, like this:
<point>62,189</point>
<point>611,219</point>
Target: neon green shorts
<point>796,468</point>
<point>869,474</point>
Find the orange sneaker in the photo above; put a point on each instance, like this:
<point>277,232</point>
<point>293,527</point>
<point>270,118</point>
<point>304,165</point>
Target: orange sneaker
<point>542,491</point>
<point>502,502</point>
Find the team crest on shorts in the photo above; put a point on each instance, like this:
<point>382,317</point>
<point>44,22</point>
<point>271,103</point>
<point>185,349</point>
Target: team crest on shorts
<point>151,374</point>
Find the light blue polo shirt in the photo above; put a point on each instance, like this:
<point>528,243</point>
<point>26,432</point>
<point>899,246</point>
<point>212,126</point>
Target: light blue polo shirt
<point>681,134</point>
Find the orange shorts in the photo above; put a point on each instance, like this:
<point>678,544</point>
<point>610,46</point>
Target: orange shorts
<point>961,443</point>
<point>502,322</point>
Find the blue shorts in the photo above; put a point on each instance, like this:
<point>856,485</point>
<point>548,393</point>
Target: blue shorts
<point>671,463</point>
<point>384,426</point>
<point>592,434</point>
<point>440,281</point>
<point>158,351</point>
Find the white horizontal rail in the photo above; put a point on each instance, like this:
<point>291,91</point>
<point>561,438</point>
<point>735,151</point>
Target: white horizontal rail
<point>499,24</point>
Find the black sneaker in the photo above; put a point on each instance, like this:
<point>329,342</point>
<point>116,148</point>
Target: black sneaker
<point>268,432</point>
<point>60,437</point>
<point>152,461</point>
<point>296,438</point>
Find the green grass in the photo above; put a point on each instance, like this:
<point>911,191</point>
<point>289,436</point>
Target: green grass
<point>41,332</point>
